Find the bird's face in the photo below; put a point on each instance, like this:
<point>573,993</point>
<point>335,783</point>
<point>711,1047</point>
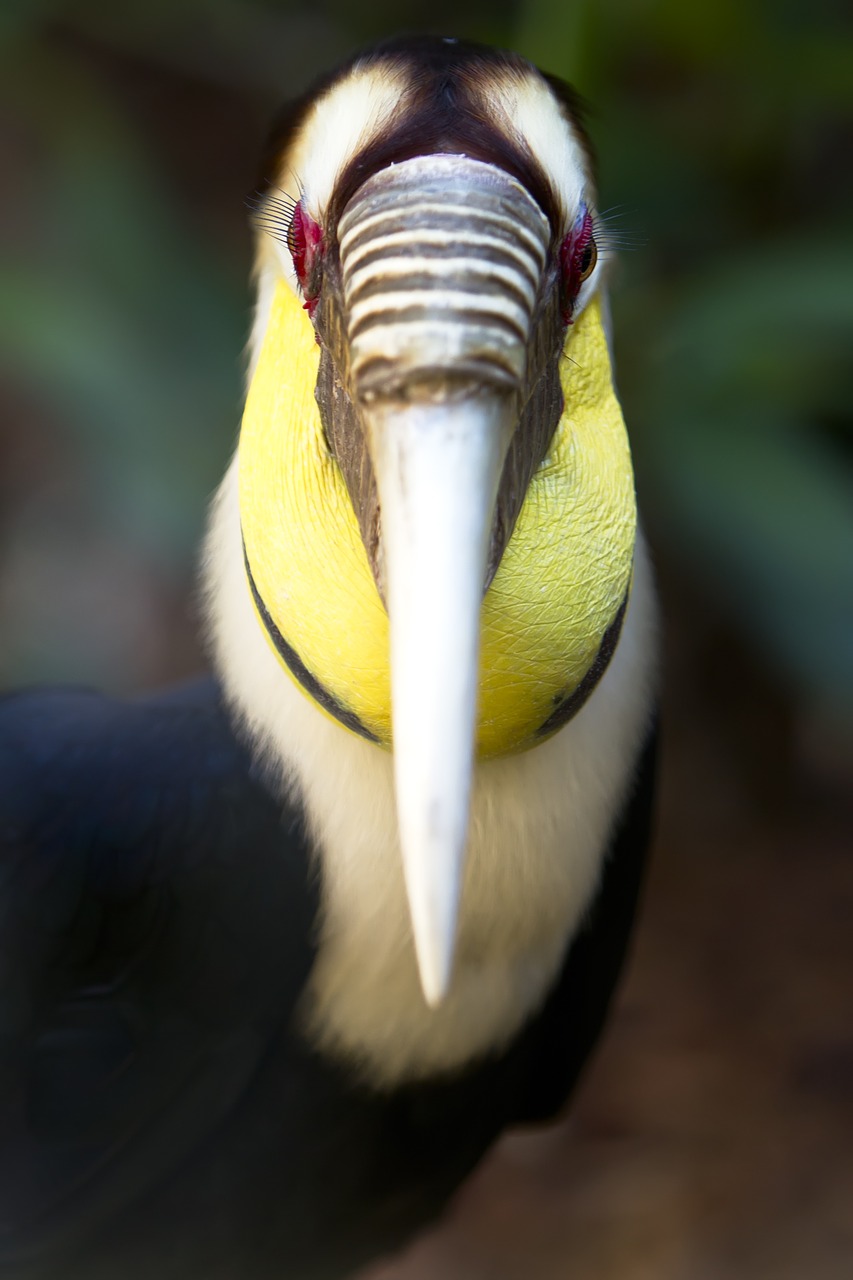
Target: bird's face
<point>436,492</point>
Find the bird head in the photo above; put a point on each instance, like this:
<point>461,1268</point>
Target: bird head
<point>435,487</point>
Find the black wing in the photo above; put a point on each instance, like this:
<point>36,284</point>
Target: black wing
<point>154,910</point>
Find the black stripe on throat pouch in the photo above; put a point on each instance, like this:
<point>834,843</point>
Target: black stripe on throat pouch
<point>566,705</point>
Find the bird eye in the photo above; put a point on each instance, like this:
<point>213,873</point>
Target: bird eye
<point>588,259</point>
<point>578,256</point>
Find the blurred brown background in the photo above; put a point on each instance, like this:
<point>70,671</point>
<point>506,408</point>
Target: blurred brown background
<point>713,1136</point>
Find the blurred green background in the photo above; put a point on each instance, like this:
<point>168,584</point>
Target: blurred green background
<point>129,138</point>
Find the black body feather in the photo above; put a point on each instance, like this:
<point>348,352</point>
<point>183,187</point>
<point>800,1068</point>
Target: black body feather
<point>160,1115</point>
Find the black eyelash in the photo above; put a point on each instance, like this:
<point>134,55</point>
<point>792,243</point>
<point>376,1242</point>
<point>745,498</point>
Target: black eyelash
<point>272,213</point>
<point>612,239</point>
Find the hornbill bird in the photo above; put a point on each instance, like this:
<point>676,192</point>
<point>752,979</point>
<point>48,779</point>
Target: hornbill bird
<point>282,951</point>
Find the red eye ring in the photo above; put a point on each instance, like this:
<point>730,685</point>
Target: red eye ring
<point>578,256</point>
<point>305,244</point>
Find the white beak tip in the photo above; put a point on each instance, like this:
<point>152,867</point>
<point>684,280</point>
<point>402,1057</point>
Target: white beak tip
<point>435,981</point>
<point>433,921</point>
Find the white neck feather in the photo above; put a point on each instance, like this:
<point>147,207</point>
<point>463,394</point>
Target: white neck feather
<point>540,825</point>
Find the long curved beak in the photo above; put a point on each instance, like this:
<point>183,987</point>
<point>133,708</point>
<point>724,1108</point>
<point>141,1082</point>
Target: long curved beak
<point>441,261</point>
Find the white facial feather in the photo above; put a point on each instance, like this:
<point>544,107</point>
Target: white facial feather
<point>341,123</point>
<point>527,109</point>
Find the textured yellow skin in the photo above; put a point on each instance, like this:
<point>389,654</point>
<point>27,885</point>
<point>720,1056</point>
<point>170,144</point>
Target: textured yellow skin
<point>560,583</point>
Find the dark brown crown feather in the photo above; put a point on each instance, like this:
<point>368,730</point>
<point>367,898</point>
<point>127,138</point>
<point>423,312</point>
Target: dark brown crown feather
<point>442,111</point>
